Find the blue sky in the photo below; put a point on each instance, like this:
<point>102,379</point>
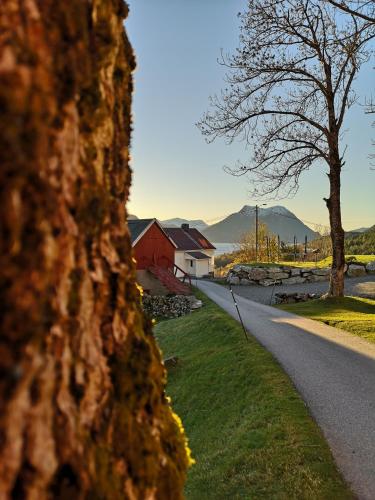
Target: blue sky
<point>176,174</point>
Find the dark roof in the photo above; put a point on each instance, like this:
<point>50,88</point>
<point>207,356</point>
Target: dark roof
<point>198,255</point>
<point>136,227</point>
<point>181,238</point>
<point>200,239</point>
<point>188,239</point>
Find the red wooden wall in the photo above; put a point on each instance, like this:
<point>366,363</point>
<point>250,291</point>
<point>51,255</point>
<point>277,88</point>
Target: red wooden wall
<point>154,244</point>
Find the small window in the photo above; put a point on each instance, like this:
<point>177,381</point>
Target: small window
<point>191,263</point>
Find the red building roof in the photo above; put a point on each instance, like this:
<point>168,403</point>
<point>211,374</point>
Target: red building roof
<point>188,239</point>
<point>200,239</point>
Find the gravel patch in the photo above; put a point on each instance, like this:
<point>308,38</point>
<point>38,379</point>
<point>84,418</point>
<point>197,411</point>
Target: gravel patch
<point>263,294</point>
<point>366,289</point>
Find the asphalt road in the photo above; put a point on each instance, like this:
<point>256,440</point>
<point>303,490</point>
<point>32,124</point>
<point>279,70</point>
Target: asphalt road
<point>263,294</point>
<point>333,371</point>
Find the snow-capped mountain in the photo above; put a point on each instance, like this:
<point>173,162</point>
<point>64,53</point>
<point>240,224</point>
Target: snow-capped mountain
<point>279,220</point>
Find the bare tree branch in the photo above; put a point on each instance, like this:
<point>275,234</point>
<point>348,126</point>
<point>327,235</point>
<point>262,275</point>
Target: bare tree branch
<point>365,10</point>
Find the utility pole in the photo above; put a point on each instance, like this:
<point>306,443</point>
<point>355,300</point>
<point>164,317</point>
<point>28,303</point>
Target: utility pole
<point>256,232</point>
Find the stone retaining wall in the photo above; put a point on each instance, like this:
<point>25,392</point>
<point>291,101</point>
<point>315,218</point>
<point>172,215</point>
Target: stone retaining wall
<point>159,306</point>
<point>284,275</point>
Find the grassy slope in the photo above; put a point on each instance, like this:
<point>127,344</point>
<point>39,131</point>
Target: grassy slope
<point>364,259</point>
<point>354,314</point>
<point>249,431</point>
<point>361,243</point>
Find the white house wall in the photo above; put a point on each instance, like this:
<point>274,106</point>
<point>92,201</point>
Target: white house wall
<point>202,268</point>
<point>199,268</point>
<point>180,261</point>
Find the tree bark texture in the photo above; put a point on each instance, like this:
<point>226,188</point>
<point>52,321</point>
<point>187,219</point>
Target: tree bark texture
<point>82,407</point>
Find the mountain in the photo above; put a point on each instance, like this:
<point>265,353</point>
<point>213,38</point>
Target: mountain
<point>198,224</point>
<point>362,243</point>
<point>132,217</point>
<point>278,219</point>
<point>356,232</point>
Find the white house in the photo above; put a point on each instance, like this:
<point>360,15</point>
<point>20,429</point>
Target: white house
<point>194,254</point>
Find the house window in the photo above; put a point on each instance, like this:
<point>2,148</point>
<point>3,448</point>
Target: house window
<point>191,263</point>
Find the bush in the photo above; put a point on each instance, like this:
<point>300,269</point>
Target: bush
<point>226,258</point>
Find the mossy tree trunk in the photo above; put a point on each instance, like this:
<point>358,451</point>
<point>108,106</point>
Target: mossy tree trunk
<point>82,407</point>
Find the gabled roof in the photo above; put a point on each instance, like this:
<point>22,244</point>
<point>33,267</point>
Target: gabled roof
<point>200,239</point>
<point>188,239</point>
<point>181,238</point>
<point>198,255</point>
<point>139,227</point>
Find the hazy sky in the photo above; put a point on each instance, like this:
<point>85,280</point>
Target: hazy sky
<point>176,174</point>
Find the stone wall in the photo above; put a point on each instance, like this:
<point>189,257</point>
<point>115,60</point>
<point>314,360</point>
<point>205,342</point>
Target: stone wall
<point>83,414</point>
<point>159,306</point>
<point>286,275</point>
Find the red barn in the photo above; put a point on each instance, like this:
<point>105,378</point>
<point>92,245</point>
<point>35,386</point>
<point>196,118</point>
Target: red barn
<point>154,253</point>
<point>151,244</point>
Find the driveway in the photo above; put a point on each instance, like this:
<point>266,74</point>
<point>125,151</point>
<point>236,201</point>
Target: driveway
<point>263,294</point>
<point>333,371</point>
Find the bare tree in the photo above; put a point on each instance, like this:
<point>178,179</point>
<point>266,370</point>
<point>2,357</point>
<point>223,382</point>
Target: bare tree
<point>289,85</point>
<point>364,9</point>
<point>267,245</point>
<point>323,243</point>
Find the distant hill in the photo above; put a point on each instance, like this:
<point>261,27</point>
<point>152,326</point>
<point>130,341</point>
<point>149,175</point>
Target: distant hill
<point>362,243</point>
<point>176,222</point>
<point>278,219</point>
<point>356,232</point>
<point>132,217</point>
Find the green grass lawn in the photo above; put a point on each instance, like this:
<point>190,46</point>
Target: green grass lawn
<point>353,314</point>
<point>250,433</point>
<point>364,259</point>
